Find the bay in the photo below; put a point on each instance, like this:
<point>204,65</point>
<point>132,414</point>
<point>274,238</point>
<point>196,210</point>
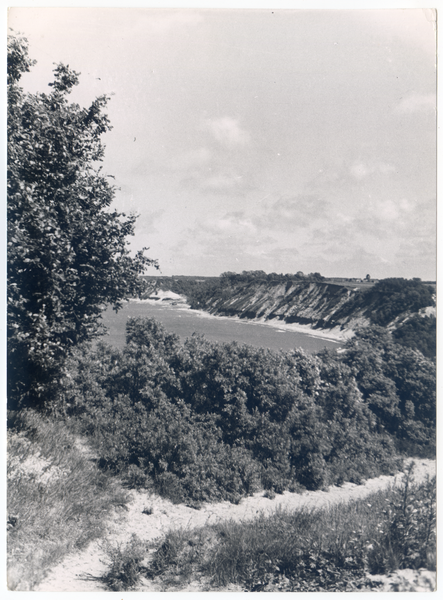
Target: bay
<point>184,322</point>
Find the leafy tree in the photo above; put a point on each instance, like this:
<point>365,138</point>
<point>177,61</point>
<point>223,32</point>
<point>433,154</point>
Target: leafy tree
<point>391,297</point>
<point>67,249</point>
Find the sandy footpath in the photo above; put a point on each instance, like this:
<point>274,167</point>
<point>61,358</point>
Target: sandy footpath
<point>80,572</point>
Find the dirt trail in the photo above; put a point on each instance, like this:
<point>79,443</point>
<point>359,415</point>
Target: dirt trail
<point>80,572</point>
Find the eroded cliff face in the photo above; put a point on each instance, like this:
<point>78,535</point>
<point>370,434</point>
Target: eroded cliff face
<point>319,305</point>
<point>331,308</point>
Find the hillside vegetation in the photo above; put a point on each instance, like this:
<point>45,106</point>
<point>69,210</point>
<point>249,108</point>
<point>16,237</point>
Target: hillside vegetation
<point>203,421</point>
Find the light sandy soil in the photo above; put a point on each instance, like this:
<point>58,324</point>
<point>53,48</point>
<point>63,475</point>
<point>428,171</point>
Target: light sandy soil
<point>80,572</point>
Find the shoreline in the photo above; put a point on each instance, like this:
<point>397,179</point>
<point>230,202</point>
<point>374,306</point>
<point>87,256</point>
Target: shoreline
<point>330,335</point>
<point>179,303</point>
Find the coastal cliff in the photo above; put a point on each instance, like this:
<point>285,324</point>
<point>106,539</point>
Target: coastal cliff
<point>311,301</point>
<point>336,308</point>
<point>305,303</point>
<point>319,305</point>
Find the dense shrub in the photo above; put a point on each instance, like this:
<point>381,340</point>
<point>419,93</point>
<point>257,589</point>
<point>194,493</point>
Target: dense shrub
<point>202,420</point>
<point>394,296</point>
<point>418,333</point>
<point>397,384</point>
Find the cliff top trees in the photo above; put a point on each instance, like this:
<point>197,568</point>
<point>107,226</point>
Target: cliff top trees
<point>67,250</point>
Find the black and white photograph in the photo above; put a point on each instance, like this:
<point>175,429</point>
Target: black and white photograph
<point>221,300</point>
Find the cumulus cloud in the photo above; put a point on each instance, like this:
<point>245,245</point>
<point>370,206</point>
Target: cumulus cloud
<point>230,225</point>
<point>292,213</point>
<point>360,170</point>
<point>416,103</point>
<point>147,221</point>
<point>233,232</point>
<point>222,182</point>
<point>193,158</point>
<point>214,181</point>
<point>221,165</point>
<point>227,131</point>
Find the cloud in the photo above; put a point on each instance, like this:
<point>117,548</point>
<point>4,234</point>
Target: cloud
<point>197,157</point>
<point>415,103</point>
<point>217,182</point>
<point>356,262</point>
<point>288,214</point>
<point>231,232</point>
<point>418,251</point>
<point>227,131</point>
<point>220,165</point>
<point>231,225</point>
<point>223,182</point>
<point>360,170</point>
<point>147,220</point>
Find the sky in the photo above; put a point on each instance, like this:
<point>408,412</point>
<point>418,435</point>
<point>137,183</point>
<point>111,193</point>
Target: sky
<point>274,140</point>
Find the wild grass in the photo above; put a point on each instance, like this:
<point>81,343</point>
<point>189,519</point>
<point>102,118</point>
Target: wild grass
<point>57,501</point>
<point>333,549</point>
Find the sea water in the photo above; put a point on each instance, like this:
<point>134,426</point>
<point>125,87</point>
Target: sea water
<point>184,322</point>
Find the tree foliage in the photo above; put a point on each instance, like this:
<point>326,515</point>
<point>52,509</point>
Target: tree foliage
<point>398,385</point>
<point>394,296</point>
<point>68,253</point>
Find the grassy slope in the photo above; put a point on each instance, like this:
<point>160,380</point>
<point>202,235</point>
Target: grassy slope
<point>58,500</point>
<point>330,549</point>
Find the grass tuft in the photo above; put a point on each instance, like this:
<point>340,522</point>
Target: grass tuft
<point>125,565</point>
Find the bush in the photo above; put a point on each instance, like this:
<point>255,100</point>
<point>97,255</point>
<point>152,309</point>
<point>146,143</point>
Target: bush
<point>203,421</point>
<point>409,529</point>
<point>419,333</point>
<point>398,385</point>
